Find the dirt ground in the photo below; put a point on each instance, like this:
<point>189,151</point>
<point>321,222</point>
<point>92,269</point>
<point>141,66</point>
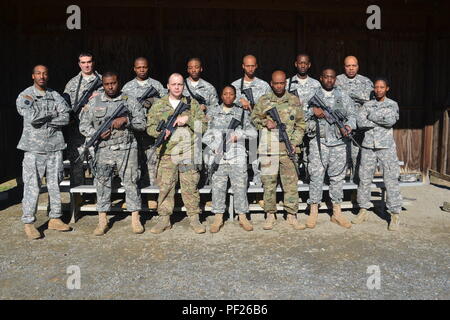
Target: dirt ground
<point>328,262</point>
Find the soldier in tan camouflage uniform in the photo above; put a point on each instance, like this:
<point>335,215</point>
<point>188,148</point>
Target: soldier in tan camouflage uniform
<point>179,155</point>
<point>117,150</point>
<point>44,113</point>
<point>378,117</point>
<point>273,153</point>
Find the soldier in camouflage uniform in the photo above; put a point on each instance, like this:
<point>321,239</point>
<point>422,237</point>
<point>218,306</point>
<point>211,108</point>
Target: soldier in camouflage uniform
<point>73,91</point>
<point>180,154</point>
<point>327,149</point>
<point>378,117</point>
<point>304,87</point>
<point>359,88</point>
<point>259,88</point>
<point>194,85</point>
<point>44,113</point>
<point>199,89</point>
<point>233,165</point>
<point>273,153</point>
<point>117,150</point>
<point>136,88</point>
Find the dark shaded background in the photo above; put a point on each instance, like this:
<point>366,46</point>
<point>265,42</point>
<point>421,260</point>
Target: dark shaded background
<point>412,49</point>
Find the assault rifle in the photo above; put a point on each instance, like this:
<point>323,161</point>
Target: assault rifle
<point>149,93</point>
<point>249,96</point>
<point>335,117</point>
<point>283,136</point>
<point>234,123</point>
<point>168,125</point>
<point>95,140</point>
<point>84,99</point>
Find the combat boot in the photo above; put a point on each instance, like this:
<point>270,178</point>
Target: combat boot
<point>394,225</point>
<point>270,220</point>
<point>196,225</point>
<point>311,221</point>
<point>244,223</point>
<point>102,224</point>
<point>162,225</point>
<point>31,231</point>
<point>362,216</point>
<point>339,218</point>
<point>57,224</point>
<point>136,225</point>
<point>292,220</point>
<point>217,224</point>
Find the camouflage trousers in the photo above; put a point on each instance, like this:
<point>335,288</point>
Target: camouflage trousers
<point>391,171</point>
<point>167,177</point>
<point>34,167</point>
<point>75,140</point>
<point>271,166</point>
<point>334,164</point>
<point>124,162</point>
<point>355,153</point>
<point>148,160</point>
<point>237,173</point>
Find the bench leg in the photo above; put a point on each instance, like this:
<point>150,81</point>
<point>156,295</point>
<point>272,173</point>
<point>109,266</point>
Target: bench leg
<point>231,208</point>
<point>75,200</point>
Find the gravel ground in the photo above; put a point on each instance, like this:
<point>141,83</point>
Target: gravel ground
<point>328,262</point>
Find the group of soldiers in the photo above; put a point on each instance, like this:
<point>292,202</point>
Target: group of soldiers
<point>147,134</point>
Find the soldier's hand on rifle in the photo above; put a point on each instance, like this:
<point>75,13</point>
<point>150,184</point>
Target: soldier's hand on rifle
<point>167,134</point>
<point>233,138</point>
<point>271,124</point>
<point>318,112</point>
<point>245,104</point>
<point>203,107</point>
<point>344,132</point>
<point>181,121</point>
<point>105,135</point>
<point>118,123</point>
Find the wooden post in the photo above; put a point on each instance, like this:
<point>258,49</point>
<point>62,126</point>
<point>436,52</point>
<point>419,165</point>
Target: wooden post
<point>427,151</point>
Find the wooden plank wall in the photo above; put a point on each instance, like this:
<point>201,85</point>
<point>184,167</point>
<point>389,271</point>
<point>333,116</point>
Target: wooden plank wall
<point>117,33</point>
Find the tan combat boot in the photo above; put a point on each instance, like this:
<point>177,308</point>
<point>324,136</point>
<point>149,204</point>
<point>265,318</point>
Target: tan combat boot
<point>196,225</point>
<point>311,221</point>
<point>31,231</point>
<point>217,224</point>
<point>57,224</point>
<point>270,220</point>
<point>162,225</point>
<point>292,220</point>
<point>339,218</point>
<point>362,216</point>
<point>102,224</point>
<point>244,223</point>
<point>394,225</point>
<point>136,225</point>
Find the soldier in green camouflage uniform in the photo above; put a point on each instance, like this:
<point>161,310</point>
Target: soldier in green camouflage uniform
<point>359,89</point>
<point>378,117</point>
<point>117,150</point>
<point>328,149</point>
<point>74,90</point>
<point>44,113</point>
<point>136,88</point>
<point>233,164</point>
<point>273,153</point>
<point>179,155</point>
